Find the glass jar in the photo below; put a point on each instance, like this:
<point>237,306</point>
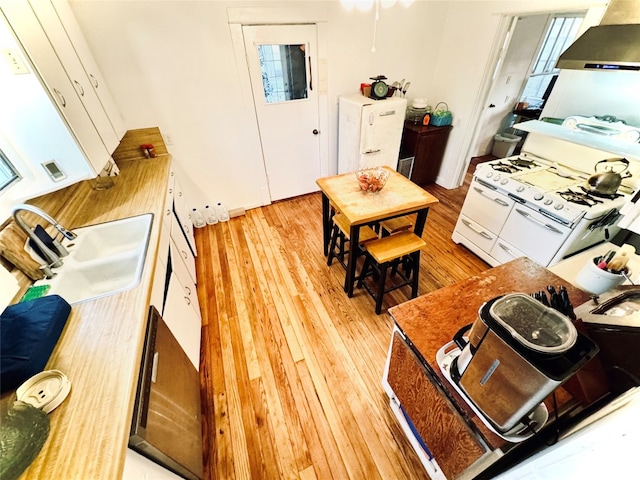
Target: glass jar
<point>416,115</point>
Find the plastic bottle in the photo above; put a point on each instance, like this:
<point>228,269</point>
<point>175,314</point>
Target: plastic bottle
<point>197,219</point>
<point>223,213</point>
<point>210,215</point>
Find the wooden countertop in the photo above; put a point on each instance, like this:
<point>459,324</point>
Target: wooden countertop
<point>101,345</point>
<point>431,320</point>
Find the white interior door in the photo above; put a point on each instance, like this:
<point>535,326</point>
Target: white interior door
<point>282,63</point>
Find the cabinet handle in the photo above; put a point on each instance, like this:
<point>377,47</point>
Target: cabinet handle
<point>188,290</point>
<point>499,201</point>
<point>535,220</point>
<point>479,232</point>
<point>94,80</point>
<point>168,211</point>
<point>170,191</point>
<point>188,300</point>
<point>184,254</point>
<point>79,88</point>
<point>186,229</point>
<point>506,249</point>
<point>63,102</point>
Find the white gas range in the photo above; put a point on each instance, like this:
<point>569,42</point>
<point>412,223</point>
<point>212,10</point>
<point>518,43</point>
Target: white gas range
<point>529,206</point>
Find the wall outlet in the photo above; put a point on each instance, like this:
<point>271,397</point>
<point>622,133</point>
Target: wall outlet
<point>14,60</point>
<point>168,140</point>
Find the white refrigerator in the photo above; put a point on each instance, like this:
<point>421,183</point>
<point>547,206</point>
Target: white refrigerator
<point>369,131</point>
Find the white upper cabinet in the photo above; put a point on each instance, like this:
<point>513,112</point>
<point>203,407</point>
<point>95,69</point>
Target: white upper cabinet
<point>48,46</point>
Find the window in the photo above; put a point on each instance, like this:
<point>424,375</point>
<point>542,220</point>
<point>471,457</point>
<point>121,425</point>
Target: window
<point>284,76</point>
<point>8,173</point>
<point>561,33</point>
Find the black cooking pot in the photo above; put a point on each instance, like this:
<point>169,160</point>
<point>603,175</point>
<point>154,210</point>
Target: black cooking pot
<point>606,180</point>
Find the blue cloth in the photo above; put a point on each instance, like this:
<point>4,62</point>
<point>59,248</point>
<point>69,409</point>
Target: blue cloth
<point>28,333</point>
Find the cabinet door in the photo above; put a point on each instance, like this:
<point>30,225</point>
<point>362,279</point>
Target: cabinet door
<point>182,251</point>
<point>66,16</point>
<point>427,144</point>
<point>182,320</point>
<point>182,213</point>
<point>439,425</point>
<point>53,76</point>
<point>67,53</point>
<point>185,276</point>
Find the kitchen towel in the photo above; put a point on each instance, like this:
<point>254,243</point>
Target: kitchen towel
<point>30,331</point>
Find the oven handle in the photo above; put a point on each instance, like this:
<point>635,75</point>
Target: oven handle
<point>479,232</point>
<point>497,200</point>
<point>535,220</point>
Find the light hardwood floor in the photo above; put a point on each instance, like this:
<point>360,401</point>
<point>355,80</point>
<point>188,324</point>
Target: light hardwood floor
<point>291,367</point>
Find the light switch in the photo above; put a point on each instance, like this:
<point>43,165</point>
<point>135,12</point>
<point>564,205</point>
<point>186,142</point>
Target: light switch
<point>14,60</point>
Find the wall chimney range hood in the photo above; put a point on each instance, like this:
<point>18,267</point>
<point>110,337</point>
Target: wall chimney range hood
<point>606,48</point>
<point>614,45</point>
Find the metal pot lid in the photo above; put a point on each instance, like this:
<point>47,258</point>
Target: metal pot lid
<point>534,325</point>
<point>45,391</point>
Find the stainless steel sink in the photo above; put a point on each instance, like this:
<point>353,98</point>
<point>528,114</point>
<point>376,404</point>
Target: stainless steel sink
<point>104,259</point>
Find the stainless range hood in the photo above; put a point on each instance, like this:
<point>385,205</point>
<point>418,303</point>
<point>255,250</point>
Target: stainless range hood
<point>614,45</point>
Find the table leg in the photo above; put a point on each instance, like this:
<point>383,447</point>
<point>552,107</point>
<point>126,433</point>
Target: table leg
<point>354,234</point>
<point>326,224</point>
<point>421,219</point>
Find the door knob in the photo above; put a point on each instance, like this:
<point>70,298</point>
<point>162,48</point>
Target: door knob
<point>315,131</point>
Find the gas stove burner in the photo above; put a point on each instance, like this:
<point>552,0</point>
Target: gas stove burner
<point>523,163</point>
<point>579,198</point>
<point>608,196</point>
<point>504,167</point>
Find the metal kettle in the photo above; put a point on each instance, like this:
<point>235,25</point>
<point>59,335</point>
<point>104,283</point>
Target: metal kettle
<point>605,181</point>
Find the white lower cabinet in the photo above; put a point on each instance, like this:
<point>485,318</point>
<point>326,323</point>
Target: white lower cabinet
<point>138,467</point>
<point>183,319</point>
<point>174,291</point>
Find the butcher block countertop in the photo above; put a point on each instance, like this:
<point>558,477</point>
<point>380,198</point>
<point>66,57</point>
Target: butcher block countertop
<point>431,320</point>
<point>101,345</point>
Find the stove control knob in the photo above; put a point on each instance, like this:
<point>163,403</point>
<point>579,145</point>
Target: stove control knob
<point>520,188</point>
<point>548,201</point>
<point>558,206</point>
<point>497,177</point>
<point>489,174</point>
<point>504,181</point>
<point>538,196</point>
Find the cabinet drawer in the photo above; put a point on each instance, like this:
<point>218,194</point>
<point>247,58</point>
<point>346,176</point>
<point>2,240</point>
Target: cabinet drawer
<point>481,236</point>
<point>504,252</point>
<point>487,207</point>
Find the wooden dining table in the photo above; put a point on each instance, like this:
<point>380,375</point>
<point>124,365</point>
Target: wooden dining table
<point>400,196</point>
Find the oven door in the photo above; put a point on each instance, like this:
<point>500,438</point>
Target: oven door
<point>534,234</point>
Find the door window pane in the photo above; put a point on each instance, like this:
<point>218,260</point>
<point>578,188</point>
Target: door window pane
<point>8,174</point>
<point>284,73</point>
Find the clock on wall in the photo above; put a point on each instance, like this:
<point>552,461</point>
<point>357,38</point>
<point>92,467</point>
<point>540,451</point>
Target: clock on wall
<point>379,88</point>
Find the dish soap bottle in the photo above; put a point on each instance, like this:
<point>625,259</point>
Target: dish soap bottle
<point>210,216</point>
<point>197,219</point>
<point>223,213</point>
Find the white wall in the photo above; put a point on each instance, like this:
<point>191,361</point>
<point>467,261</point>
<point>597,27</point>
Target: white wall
<point>172,64</point>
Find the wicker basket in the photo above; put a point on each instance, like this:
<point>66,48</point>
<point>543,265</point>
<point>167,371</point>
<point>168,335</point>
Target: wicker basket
<point>441,116</point>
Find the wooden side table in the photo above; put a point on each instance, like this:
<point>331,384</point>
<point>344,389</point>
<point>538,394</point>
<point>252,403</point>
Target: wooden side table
<point>426,144</point>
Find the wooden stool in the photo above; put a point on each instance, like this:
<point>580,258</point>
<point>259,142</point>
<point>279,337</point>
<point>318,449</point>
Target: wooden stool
<point>395,225</point>
<point>340,236</point>
<point>384,252</point>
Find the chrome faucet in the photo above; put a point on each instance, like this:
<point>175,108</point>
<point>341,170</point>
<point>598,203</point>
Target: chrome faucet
<point>51,256</point>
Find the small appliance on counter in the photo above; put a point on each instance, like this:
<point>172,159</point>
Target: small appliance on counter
<point>614,324</point>
<point>518,352</point>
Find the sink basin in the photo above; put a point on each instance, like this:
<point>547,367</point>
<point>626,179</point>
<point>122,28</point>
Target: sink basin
<point>105,259</point>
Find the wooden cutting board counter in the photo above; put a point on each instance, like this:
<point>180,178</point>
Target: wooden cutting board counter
<point>430,321</point>
<point>101,345</point>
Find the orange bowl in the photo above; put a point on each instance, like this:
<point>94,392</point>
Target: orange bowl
<point>372,179</point>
